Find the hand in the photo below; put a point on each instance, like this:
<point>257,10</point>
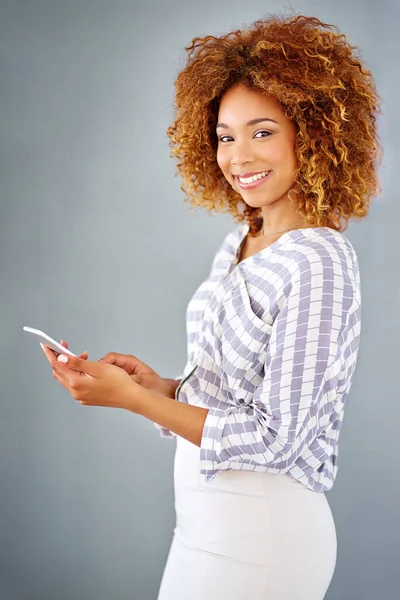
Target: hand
<point>91,383</point>
<point>138,372</point>
<point>84,355</point>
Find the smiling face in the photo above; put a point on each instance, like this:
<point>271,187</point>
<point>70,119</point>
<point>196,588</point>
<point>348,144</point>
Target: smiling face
<point>256,151</point>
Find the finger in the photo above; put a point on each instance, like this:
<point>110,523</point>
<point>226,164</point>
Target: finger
<point>51,357</point>
<point>84,355</point>
<point>57,376</point>
<point>65,384</point>
<point>78,364</point>
<point>59,372</point>
<point>108,358</point>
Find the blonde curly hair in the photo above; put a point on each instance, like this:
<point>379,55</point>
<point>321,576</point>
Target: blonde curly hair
<point>321,85</point>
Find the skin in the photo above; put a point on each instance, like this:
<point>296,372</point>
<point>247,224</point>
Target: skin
<point>241,149</point>
<point>264,146</point>
<point>100,384</point>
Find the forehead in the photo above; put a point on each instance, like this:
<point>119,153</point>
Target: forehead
<point>242,103</point>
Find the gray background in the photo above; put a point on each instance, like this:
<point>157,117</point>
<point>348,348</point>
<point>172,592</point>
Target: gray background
<point>98,247</point>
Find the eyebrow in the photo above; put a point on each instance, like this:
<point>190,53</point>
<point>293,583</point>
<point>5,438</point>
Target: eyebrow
<point>249,123</point>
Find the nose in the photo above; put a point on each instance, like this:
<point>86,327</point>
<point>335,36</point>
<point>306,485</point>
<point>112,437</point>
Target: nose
<point>241,154</point>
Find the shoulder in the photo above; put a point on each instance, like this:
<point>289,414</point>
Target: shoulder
<point>321,240</point>
<point>225,251</point>
<point>228,246</point>
<point>322,246</point>
<point>232,239</point>
<point>321,263</point>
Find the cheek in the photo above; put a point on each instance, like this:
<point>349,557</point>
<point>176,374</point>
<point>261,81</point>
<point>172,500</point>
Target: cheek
<point>291,159</point>
<point>223,162</point>
<point>283,155</point>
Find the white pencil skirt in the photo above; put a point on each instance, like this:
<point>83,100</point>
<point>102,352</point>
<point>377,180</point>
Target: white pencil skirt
<point>246,535</point>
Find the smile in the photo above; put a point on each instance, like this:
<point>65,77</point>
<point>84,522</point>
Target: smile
<point>253,180</point>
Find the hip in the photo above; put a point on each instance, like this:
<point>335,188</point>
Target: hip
<point>250,516</point>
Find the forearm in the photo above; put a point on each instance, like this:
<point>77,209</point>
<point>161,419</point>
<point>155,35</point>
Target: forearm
<point>184,420</point>
<point>171,385</point>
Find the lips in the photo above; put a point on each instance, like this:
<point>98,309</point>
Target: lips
<point>244,175</point>
<point>259,178</point>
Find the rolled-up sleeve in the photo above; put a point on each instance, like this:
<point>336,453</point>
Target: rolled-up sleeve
<point>302,371</point>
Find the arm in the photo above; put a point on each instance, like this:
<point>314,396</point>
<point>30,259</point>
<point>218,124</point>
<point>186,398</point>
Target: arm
<point>171,386</point>
<point>315,331</point>
<point>184,420</point>
<point>224,252</point>
<point>310,354</point>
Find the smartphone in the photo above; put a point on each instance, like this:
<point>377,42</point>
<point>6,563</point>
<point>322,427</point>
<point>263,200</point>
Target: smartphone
<point>49,342</point>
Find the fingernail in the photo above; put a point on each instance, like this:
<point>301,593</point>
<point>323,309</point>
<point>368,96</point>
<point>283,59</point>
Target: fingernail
<point>62,358</point>
<point>42,346</point>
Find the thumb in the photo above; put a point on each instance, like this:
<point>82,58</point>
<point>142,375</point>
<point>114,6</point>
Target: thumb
<point>107,359</point>
<point>80,364</point>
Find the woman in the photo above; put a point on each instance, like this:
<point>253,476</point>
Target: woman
<point>276,125</point>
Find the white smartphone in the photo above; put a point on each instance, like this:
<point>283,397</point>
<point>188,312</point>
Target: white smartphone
<point>49,342</point>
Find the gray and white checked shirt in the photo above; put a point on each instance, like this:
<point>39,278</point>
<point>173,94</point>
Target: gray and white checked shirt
<point>272,347</point>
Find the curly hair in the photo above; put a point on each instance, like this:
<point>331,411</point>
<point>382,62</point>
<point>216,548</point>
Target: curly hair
<point>321,85</point>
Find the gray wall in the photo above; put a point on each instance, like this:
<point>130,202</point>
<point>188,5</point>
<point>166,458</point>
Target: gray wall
<point>98,247</point>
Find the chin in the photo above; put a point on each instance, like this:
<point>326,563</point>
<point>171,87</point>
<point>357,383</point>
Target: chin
<point>261,200</point>
<point>255,202</point>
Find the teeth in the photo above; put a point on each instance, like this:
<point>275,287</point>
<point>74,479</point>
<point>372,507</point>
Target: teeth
<point>254,177</point>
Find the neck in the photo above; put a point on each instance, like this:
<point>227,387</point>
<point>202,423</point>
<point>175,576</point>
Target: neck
<point>266,233</point>
<point>280,216</point>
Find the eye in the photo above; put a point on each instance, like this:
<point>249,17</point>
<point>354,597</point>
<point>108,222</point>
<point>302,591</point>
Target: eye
<point>267,133</point>
<point>222,138</point>
<point>260,134</point>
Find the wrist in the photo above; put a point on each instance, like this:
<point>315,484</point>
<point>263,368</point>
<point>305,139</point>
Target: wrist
<point>170,387</point>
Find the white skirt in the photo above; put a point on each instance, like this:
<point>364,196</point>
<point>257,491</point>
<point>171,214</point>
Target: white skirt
<point>246,535</point>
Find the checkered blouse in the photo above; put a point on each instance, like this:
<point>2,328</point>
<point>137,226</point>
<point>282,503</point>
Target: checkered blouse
<point>272,347</point>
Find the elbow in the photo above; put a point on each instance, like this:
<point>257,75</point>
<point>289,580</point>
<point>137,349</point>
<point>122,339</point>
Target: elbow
<point>280,449</point>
